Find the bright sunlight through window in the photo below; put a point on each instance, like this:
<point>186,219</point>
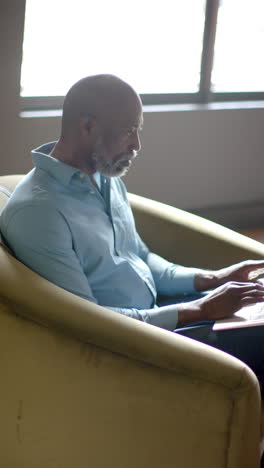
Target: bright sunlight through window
<point>155,46</point>
<point>239,47</point>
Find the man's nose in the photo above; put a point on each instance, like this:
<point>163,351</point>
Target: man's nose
<point>134,143</point>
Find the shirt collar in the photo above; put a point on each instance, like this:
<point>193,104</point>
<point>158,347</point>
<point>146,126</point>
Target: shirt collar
<point>62,172</point>
<point>97,178</point>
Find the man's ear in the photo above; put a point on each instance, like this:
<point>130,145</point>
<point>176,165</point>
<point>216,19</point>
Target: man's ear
<point>87,124</point>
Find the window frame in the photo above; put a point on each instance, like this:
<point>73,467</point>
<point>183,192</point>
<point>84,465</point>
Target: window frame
<point>205,95</point>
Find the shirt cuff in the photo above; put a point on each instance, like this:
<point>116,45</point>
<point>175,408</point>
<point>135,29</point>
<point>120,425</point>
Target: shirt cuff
<point>166,319</point>
<point>161,318</point>
<point>184,278</point>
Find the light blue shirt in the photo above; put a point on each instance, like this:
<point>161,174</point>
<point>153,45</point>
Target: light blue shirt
<point>84,239</point>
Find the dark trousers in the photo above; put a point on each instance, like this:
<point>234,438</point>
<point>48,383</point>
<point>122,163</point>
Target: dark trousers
<point>246,344</point>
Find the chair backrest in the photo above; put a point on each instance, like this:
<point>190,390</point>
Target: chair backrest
<point>4,196</point>
<point>7,185</point>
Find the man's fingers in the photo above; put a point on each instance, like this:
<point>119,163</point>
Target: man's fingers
<point>253,293</point>
<point>240,287</point>
<point>254,263</point>
<point>255,273</point>
<point>250,300</point>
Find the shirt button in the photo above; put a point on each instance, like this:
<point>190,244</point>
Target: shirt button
<point>82,176</point>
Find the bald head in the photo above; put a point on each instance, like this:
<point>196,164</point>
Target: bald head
<point>101,121</point>
<point>98,96</point>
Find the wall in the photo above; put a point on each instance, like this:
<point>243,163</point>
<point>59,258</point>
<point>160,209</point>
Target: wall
<point>202,160</point>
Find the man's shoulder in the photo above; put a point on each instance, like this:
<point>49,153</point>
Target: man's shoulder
<point>28,201</point>
<point>27,193</point>
<point>34,222</point>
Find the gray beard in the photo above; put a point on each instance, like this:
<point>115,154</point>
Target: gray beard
<point>108,169</point>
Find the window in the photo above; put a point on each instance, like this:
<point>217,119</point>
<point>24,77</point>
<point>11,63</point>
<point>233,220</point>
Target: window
<point>239,47</point>
<point>164,49</point>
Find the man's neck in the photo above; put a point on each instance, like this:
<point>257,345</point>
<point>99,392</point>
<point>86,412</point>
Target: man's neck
<point>65,153</point>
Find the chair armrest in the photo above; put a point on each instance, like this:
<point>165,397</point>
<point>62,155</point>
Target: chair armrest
<point>85,321</point>
<point>76,403</point>
<point>190,240</point>
<point>175,393</point>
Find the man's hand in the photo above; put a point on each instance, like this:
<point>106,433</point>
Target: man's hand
<point>221,303</point>
<point>243,271</point>
<point>246,271</point>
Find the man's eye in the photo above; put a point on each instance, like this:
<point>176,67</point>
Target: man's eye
<point>130,131</point>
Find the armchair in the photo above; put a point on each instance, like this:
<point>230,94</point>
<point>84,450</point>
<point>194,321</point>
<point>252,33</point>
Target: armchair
<point>82,386</point>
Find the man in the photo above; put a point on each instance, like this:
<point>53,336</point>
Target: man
<point>69,220</point>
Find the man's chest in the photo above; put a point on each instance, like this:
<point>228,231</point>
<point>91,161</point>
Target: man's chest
<point>101,225</point>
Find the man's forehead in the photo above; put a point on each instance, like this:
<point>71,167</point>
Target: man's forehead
<point>138,122</point>
<point>130,120</point>
<point>127,115</point>
<point>134,111</point>
<point>141,120</point>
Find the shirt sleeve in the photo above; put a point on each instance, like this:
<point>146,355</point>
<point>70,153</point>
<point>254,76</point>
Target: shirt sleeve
<point>171,279</point>
<point>41,239</point>
<point>163,318</point>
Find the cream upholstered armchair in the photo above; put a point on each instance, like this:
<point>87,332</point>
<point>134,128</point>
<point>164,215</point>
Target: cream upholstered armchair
<point>84,387</point>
